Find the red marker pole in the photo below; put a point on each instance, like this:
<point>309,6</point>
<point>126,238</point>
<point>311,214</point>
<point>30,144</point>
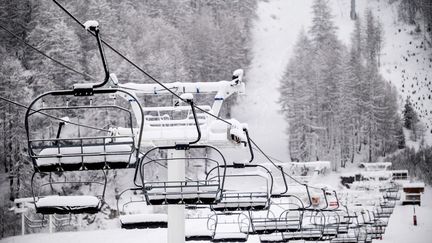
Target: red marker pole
<point>414,217</point>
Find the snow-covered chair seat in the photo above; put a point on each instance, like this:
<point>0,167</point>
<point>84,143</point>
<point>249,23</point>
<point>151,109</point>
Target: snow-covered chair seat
<point>189,192</point>
<point>342,229</point>
<point>387,205</point>
<point>92,157</point>
<point>233,201</point>
<point>271,225</point>
<point>380,223</point>
<point>305,233</point>
<point>143,221</point>
<point>68,205</point>
<point>383,214</point>
<point>230,237</point>
<point>196,230</point>
<point>344,239</point>
<point>330,230</point>
<point>271,238</point>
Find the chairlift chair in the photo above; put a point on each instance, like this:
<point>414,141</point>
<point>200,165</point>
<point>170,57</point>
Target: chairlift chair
<point>57,202</point>
<point>283,214</point>
<point>88,118</point>
<point>235,198</point>
<point>197,222</point>
<point>130,218</point>
<point>159,190</point>
<point>229,227</point>
<point>35,222</point>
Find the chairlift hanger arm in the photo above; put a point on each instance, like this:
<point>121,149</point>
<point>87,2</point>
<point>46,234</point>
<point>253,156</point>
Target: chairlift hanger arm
<point>222,87</point>
<point>104,62</point>
<point>285,184</point>
<point>325,198</point>
<point>249,145</point>
<point>337,199</point>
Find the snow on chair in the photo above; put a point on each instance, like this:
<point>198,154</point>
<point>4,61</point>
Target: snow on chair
<point>158,190</point>
<point>59,199</point>
<point>81,142</point>
<point>232,227</point>
<point>87,118</point>
<point>289,220</point>
<point>278,217</point>
<point>311,228</point>
<point>238,197</point>
<point>169,122</point>
<point>131,205</point>
<point>197,224</point>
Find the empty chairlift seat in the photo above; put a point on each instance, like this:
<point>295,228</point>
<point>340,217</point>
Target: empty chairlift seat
<point>196,229</point>
<point>229,228</point>
<point>69,133</point>
<point>272,225</point>
<point>271,238</point>
<point>194,190</point>
<point>281,216</point>
<point>90,157</point>
<point>237,197</point>
<point>135,213</point>
<point>143,221</point>
<point>230,237</point>
<point>242,201</point>
<point>49,194</point>
<point>68,204</point>
<point>187,192</point>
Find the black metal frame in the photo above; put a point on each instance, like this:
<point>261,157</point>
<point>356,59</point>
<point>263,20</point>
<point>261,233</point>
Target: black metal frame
<point>67,209</point>
<point>35,144</point>
<point>216,221</point>
<point>217,182</point>
<point>240,195</point>
<point>136,225</point>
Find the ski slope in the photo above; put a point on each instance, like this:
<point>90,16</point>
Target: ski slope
<point>273,36</point>
<point>406,59</point>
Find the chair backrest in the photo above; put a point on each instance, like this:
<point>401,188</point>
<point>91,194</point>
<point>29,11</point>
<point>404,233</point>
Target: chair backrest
<point>68,132</point>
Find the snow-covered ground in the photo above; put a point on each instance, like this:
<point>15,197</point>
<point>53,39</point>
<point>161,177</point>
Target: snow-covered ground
<point>401,228</point>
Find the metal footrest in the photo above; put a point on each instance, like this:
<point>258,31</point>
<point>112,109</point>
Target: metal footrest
<point>188,192</point>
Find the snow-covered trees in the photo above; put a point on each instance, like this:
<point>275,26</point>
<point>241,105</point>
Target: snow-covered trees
<point>412,121</point>
<point>409,114</point>
<point>337,104</point>
<point>185,40</point>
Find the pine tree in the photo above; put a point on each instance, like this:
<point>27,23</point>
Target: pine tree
<point>409,115</point>
<point>297,100</point>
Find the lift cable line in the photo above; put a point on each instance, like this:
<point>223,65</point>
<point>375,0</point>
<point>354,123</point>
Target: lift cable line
<point>51,116</point>
<point>45,55</point>
<point>135,65</point>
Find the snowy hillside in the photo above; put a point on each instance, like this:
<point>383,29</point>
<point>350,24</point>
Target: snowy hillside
<point>405,62</point>
<point>274,34</point>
